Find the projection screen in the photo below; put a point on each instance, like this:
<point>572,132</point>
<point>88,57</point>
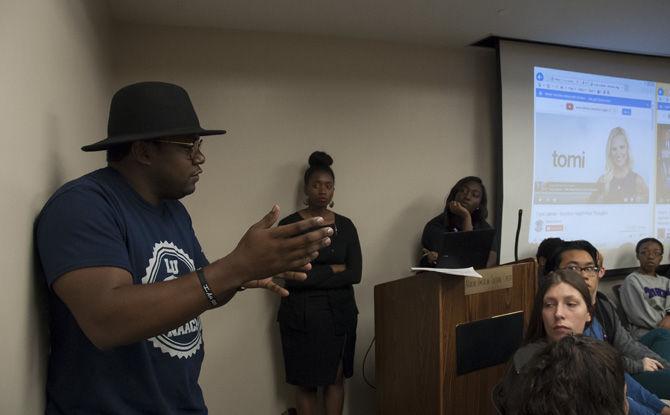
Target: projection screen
<point>585,148</point>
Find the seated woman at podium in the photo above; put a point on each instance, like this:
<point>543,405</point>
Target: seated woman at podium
<point>317,322</point>
<point>464,211</point>
<point>562,307</point>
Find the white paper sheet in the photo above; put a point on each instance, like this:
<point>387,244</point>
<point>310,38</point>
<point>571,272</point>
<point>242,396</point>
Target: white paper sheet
<point>463,272</point>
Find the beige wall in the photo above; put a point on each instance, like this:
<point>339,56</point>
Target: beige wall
<point>54,84</point>
<point>403,123</point>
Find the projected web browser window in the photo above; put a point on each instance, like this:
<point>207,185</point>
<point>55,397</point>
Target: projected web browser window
<point>595,147</point>
<point>662,217</point>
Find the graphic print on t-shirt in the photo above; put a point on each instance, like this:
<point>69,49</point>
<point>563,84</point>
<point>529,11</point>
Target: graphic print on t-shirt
<point>167,263</point>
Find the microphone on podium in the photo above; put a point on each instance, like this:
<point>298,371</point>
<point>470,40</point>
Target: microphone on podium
<point>516,238</point>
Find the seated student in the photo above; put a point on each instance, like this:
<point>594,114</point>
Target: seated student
<point>561,307</point>
<point>641,362</point>
<point>574,375</point>
<point>464,211</point>
<point>645,297</point>
<point>544,251</point>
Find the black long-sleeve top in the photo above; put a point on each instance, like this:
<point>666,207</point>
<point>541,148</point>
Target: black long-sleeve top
<point>433,233</point>
<point>344,249</point>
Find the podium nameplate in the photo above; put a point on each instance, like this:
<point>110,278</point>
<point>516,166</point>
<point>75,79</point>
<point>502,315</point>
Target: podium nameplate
<point>498,278</point>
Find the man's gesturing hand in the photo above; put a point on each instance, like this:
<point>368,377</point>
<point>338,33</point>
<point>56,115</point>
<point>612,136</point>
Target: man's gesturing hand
<point>269,283</point>
<point>265,251</point>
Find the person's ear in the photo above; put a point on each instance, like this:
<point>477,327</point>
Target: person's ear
<point>589,316</point>
<point>141,152</point>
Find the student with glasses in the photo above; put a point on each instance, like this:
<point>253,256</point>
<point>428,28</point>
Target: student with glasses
<point>561,309</point>
<point>645,297</point>
<point>646,366</point>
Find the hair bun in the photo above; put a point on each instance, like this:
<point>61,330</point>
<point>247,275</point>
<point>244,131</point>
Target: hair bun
<point>320,158</point>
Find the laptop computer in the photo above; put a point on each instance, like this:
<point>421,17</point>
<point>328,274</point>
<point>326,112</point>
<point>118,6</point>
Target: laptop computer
<point>466,249</point>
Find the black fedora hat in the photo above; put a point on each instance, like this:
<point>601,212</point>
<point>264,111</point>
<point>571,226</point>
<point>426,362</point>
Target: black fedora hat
<point>147,111</point>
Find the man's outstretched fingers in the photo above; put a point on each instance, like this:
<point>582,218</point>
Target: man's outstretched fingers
<point>268,220</point>
<point>305,254</point>
<point>268,284</point>
<point>312,241</point>
<point>302,262</point>
<point>292,229</point>
<point>300,254</point>
<point>283,292</point>
<point>293,276</point>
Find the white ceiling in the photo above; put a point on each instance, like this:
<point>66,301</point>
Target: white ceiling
<point>623,25</point>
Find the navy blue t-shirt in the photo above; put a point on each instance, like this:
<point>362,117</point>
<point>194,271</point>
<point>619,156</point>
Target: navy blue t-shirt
<point>99,220</point>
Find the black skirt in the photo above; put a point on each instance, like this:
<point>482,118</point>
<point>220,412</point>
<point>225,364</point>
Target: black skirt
<point>316,343</point>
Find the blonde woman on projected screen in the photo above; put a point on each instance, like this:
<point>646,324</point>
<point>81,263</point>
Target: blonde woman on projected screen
<point>620,184</point>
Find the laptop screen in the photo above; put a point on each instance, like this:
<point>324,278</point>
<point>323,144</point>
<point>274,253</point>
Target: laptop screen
<point>466,249</point>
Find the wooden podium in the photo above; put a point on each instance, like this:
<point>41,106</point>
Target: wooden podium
<point>415,325</point>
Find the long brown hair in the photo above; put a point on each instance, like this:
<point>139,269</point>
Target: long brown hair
<point>536,330</point>
<point>575,375</point>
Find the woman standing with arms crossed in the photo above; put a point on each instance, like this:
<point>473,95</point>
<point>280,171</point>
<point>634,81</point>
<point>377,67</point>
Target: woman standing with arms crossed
<point>318,320</point>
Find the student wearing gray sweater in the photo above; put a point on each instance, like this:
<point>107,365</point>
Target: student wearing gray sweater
<point>646,366</point>
<point>645,297</point>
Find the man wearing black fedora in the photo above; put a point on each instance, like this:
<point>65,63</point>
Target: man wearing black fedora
<point>127,277</point>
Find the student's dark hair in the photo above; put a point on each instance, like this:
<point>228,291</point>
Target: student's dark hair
<point>536,330</point>
<point>118,152</point>
<point>319,161</point>
<point>547,247</point>
<point>479,214</point>
<point>644,241</point>
<point>575,375</point>
<point>554,261</point>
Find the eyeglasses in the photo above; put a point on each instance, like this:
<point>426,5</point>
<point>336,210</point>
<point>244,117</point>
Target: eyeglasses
<point>193,147</point>
<point>588,270</point>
